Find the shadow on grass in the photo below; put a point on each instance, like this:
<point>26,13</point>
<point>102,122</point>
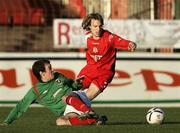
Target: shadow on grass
<point>126,123</point>
<point>172,122</point>
<point>139,123</point>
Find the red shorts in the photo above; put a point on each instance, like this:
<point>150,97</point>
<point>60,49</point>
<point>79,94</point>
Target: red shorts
<point>100,78</point>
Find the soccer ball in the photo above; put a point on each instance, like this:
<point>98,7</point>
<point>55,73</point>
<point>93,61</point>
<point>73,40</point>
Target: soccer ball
<point>155,116</point>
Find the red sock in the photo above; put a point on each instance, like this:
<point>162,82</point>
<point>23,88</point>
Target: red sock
<point>77,104</point>
<point>77,121</point>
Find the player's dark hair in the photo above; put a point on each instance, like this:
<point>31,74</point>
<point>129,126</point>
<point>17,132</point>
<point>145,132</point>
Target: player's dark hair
<point>39,66</point>
<point>87,20</point>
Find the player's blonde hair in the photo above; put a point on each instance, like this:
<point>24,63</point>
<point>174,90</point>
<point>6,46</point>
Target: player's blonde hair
<point>87,20</point>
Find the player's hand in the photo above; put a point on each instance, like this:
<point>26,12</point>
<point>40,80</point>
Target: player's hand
<point>77,85</point>
<point>132,46</point>
<point>80,79</point>
<point>3,124</point>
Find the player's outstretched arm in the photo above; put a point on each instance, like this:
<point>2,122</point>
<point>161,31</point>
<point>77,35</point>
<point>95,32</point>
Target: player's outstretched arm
<point>123,44</point>
<point>21,107</point>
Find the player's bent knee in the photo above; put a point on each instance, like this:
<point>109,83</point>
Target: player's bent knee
<point>62,121</point>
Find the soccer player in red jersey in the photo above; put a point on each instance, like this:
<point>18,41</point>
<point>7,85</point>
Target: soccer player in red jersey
<point>101,55</point>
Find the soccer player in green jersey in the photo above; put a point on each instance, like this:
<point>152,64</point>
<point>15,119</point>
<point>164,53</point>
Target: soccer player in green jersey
<point>55,91</point>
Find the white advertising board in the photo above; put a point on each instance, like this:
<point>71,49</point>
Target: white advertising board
<point>138,79</point>
<point>67,33</point>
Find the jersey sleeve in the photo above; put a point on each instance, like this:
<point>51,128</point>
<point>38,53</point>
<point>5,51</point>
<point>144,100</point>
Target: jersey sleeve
<point>21,107</point>
<point>119,43</point>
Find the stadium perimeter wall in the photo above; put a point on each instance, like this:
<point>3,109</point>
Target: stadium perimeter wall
<point>141,79</point>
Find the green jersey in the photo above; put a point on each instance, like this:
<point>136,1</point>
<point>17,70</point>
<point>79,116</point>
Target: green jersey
<point>48,94</point>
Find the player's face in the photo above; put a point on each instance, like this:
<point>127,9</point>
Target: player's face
<point>48,74</point>
<point>95,28</point>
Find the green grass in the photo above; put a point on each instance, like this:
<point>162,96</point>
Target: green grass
<point>121,120</point>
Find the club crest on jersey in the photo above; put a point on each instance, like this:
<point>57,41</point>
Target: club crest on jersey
<point>95,50</point>
<point>58,80</point>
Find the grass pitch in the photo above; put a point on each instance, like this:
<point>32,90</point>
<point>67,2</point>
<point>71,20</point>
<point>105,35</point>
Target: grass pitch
<point>120,120</point>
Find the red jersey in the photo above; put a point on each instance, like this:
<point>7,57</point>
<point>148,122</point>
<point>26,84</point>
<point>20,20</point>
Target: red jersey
<point>101,57</point>
<point>101,53</point>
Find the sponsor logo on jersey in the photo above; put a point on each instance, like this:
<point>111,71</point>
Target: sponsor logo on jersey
<point>96,57</point>
<point>45,91</point>
<point>55,94</point>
